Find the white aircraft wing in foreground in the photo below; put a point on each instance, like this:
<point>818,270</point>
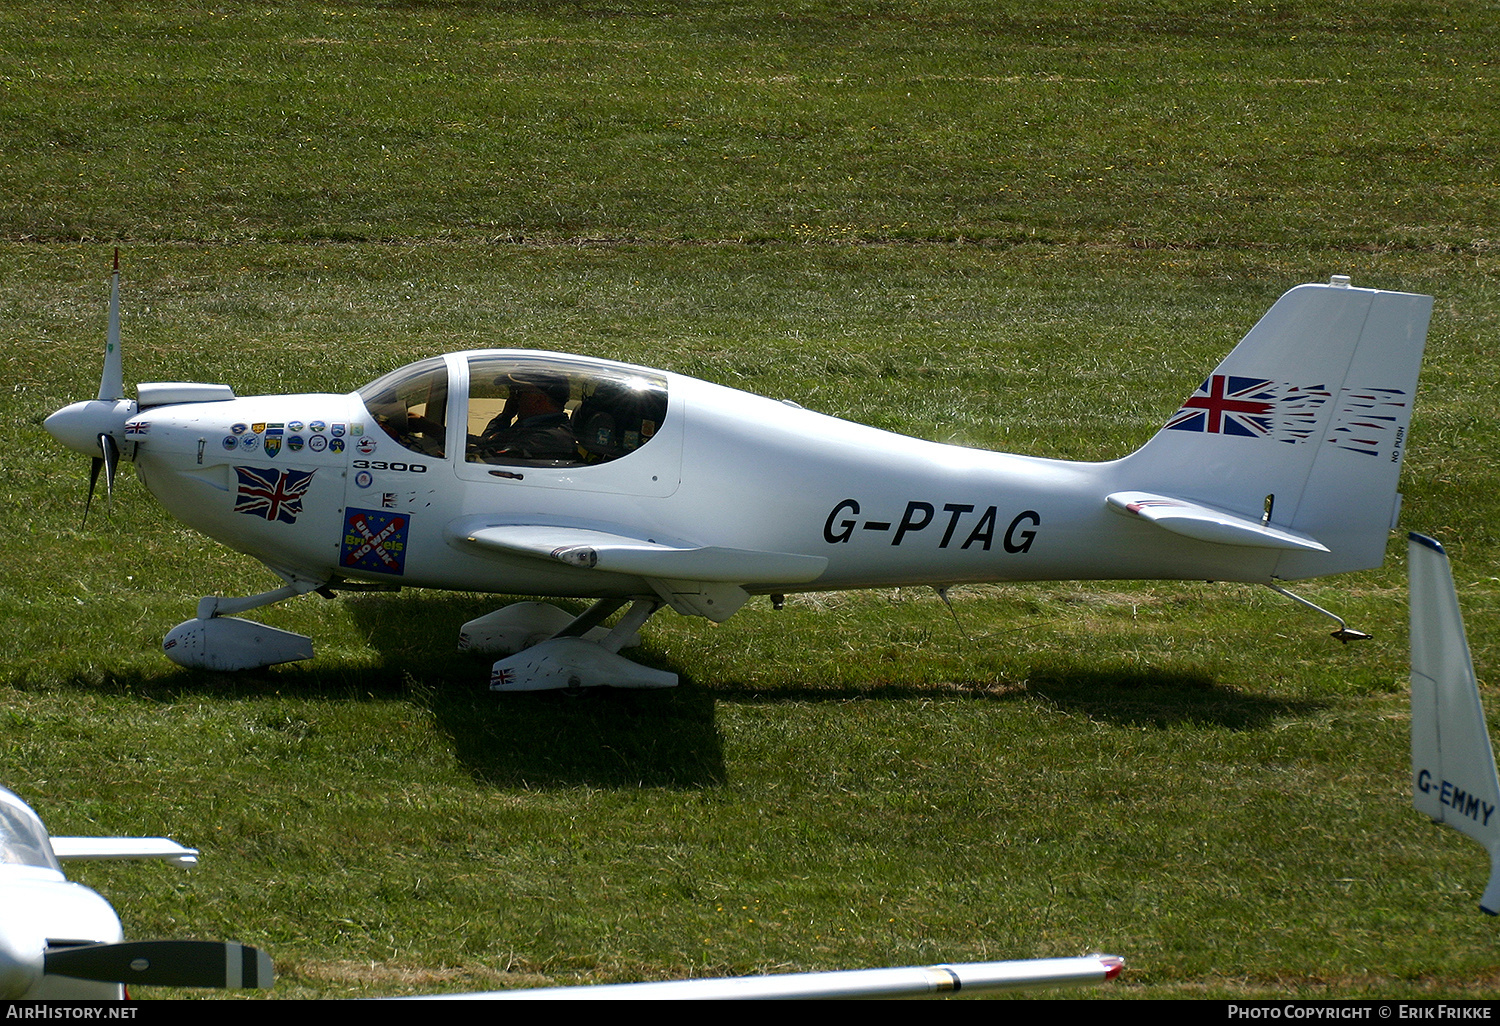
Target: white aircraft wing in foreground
<point>61,941</point>
<point>1452,764</point>
<point>904,981</point>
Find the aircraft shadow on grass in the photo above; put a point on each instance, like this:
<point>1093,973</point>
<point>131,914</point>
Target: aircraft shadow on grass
<point>1158,698</point>
<point>556,738</point>
<point>668,738</point>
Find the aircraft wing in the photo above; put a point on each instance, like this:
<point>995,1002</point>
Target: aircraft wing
<point>617,552</point>
<point>905,981</point>
<point>1194,520</point>
<point>123,848</point>
<point>1452,763</point>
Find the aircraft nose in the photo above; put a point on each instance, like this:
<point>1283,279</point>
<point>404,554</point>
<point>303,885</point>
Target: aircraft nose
<point>79,426</point>
<point>21,951</point>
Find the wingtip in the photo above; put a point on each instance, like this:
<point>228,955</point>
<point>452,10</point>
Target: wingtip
<point>1431,543</point>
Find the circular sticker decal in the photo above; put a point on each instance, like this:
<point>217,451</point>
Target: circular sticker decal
<point>364,479</point>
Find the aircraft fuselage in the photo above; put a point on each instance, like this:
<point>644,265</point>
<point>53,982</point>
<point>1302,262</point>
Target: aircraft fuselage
<point>315,486</point>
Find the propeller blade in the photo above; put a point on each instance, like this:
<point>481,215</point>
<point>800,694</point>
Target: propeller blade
<point>111,387</point>
<point>94,468</point>
<point>111,452</point>
<point>110,464</point>
<point>112,381</point>
<point>165,963</point>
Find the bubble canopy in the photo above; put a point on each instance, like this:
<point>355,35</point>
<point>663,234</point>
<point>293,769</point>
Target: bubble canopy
<point>521,409</point>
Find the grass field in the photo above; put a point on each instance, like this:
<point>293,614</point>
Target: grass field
<point>1032,229</point>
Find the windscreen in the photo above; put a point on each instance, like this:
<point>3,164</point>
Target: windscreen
<point>23,839</point>
<point>411,405</point>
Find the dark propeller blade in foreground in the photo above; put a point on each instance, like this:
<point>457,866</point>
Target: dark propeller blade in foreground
<point>110,462</point>
<point>165,963</point>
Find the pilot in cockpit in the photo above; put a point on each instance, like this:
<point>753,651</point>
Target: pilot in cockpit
<point>534,422</point>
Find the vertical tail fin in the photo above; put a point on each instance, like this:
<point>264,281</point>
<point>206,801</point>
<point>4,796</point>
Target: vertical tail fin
<point>1452,764</point>
<point>1303,426</point>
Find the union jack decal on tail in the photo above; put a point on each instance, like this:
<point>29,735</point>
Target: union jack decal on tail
<point>274,495</point>
<point>1298,411</point>
<point>1228,404</point>
<point>1367,418</point>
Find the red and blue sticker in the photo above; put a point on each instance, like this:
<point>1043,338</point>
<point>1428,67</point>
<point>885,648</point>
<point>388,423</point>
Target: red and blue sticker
<point>375,541</point>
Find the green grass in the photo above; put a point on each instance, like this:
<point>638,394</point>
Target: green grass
<point>1031,230</point>
<point>1152,124</point>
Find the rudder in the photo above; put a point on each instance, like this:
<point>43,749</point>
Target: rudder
<point>1303,426</point>
<point>1452,763</point>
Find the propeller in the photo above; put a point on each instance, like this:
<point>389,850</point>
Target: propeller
<point>109,463</point>
<point>165,963</point>
<point>95,426</point>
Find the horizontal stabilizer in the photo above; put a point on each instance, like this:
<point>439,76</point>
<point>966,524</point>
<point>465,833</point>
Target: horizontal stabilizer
<point>1452,763</point>
<point>123,848</point>
<point>591,549</point>
<point>1193,520</point>
<point>165,963</point>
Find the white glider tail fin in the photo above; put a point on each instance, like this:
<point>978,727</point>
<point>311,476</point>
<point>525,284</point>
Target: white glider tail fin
<point>1303,426</point>
<point>1452,764</point>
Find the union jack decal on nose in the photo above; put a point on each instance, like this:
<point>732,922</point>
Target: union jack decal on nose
<point>272,494</point>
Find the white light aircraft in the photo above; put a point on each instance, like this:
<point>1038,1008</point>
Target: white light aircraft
<point>61,941</point>
<point>1452,764</point>
<point>533,473</point>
